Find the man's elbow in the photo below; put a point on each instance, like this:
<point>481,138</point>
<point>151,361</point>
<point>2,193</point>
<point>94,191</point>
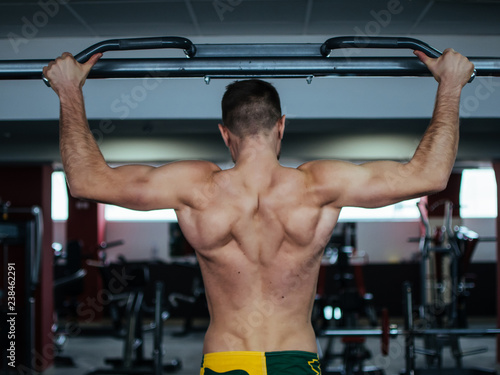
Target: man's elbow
<point>428,180</point>
<point>438,184</point>
<point>78,190</point>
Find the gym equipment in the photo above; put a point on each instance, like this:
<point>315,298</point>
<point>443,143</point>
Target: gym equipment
<point>126,309</point>
<point>446,255</point>
<point>345,298</point>
<point>442,308</point>
<point>437,334</point>
<point>117,301</point>
<point>68,285</point>
<point>387,331</point>
<point>208,61</point>
<point>133,360</point>
<point>20,228</point>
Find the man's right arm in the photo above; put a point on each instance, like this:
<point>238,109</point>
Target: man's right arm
<point>139,187</point>
<point>381,183</point>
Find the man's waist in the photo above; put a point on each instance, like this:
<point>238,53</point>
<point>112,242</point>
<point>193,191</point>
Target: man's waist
<point>250,353</point>
<point>260,339</point>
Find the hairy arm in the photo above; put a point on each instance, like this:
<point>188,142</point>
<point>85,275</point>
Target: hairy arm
<point>381,183</point>
<point>138,187</point>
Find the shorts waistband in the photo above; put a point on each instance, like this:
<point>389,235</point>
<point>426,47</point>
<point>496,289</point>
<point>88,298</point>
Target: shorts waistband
<point>255,353</point>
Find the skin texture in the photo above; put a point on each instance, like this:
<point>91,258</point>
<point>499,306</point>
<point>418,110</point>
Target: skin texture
<point>259,229</point>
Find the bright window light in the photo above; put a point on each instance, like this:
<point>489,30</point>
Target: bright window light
<point>115,213</point>
<point>478,194</point>
<point>337,313</point>
<point>400,211</point>
<point>59,197</point>
<point>328,312</point>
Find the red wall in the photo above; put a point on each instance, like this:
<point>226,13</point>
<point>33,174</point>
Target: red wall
<point>26,186</point>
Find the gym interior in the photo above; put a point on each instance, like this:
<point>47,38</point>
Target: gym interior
<point>89,288</point>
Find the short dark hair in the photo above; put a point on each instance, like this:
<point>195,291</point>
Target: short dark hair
<point>250,107</point>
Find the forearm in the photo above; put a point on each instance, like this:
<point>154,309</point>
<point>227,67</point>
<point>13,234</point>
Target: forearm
<point>435,156</point>
<point>81,157</point>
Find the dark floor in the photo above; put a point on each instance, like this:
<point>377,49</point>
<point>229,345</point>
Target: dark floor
<point>89,352</point>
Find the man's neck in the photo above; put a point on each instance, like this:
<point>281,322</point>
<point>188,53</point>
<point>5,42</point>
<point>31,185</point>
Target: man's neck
<point>256,152</point>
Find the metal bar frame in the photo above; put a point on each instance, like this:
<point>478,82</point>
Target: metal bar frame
<point>234,67</point>
<point>286,60</point>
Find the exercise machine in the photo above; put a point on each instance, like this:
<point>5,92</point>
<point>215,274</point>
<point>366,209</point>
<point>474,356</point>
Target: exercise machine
<point>133,360</point>
<point>439,320</point>
<point>68,285</point>
<point>117,300</point>
<point>341,303</point>
<point>445,256</point>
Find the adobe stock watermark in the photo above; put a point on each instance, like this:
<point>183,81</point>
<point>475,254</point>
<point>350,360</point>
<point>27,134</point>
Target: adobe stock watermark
<point>139,93</point>
<point>262,309</point>
<point>126,103</point>
<point>485,87</point>
<point>223,6</point>
<point>380,19</point>
<point>204,195</point>
<point>397,177</point>
<point>396,350</point>
<point>32,24</point>
<point>87,312</point>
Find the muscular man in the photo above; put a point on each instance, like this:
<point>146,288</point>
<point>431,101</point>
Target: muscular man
<point>259,229</point>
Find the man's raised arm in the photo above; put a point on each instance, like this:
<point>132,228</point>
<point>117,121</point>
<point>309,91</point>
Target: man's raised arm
<point>138,187</point>
<point>381,183</point>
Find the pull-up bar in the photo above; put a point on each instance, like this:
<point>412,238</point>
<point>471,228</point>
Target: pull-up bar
<point>377,42</point>
<point>251,60</point>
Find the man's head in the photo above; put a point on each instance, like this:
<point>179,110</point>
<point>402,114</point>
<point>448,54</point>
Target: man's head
<point>250,107</point>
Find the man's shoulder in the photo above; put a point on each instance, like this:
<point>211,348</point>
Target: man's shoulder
<point>190,171</point>
<point>320,166</point>
<point>198,166</point>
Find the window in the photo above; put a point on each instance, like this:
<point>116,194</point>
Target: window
<point>399,211</point>
<point>115,213</point>
<point>478,194</point>
<point>59,197</point>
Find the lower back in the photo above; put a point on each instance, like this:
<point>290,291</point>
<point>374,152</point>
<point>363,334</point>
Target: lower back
<point>260,331</point>
<point>260,307</point>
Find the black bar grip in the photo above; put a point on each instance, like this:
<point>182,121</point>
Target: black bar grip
<point>134,44</point>
<point>378,42</point>
<point>137,43</point>
<point>381,42</point>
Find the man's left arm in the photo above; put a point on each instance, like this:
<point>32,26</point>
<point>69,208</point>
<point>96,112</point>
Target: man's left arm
<point>380,183</point>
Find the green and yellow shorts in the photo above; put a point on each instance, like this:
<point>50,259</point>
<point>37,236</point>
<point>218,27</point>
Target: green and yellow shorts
<point>261,363</point>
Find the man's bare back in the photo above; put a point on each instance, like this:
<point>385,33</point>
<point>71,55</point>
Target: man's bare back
<point>259,229</point>
<point>260,256</point>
